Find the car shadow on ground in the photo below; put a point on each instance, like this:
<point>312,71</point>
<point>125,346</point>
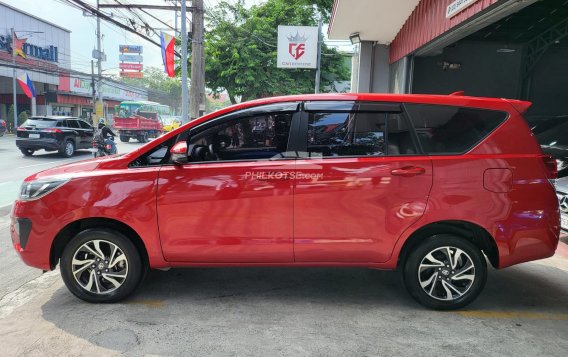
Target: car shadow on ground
<point>54,155</point>
<point>229,299</point>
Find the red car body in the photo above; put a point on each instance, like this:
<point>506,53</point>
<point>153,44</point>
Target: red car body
<point>345,211</point>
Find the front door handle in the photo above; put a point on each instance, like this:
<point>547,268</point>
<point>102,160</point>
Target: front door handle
<point>408,171</point>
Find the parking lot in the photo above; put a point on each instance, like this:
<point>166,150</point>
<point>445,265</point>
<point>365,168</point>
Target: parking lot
<point>523,310</point>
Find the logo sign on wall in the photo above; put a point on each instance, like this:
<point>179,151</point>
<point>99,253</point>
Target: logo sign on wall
<point>458,6</point>
<point>297,47</point>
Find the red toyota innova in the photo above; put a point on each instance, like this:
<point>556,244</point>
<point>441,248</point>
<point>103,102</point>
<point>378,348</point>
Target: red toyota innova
<point>432,185</point>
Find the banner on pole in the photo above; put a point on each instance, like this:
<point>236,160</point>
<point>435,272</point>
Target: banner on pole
<point>297,47</point>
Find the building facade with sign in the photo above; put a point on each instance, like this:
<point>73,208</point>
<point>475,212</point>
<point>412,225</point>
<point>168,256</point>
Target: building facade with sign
<point>42,48</point>
<point>43,52</point>
<point>495,48</point>
<point>75,96</point>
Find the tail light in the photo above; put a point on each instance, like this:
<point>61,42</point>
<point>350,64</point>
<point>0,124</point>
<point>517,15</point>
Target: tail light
<point>550,164</point>
<point>22,129</point>
<point>52,130</point>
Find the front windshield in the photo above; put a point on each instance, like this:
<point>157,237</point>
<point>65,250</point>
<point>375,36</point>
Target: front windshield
<point>126,110</point>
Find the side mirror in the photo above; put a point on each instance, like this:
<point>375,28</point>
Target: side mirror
<point>178,153</point>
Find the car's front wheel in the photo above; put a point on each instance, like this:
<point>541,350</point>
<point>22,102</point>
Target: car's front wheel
<point>445,272</point>
<point>101,265</point>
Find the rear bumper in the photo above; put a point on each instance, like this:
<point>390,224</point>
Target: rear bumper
<point>36,144</point>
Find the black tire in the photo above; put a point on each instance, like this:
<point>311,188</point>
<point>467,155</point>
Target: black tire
<point>124,138</point>
<point>68,148</point>
<point>143,138</point>
<point>133,268</point>
<point>27,152</point>
<point>436,297</point>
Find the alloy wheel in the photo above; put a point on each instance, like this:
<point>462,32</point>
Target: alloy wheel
<point>446,273</point>
<point>99,266</point>
<point>69,148</point>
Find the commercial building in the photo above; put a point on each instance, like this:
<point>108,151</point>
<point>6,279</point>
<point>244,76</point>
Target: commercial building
<point>497,48</point>
<point>43,51</point>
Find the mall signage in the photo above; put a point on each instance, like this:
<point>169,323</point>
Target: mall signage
<point>128,55</point>
<point>458,6</point>
<point>297,47</point>
<point>131,66</point>
<point>130,58</point>
<point>130,49</point>
<point>25,50</point>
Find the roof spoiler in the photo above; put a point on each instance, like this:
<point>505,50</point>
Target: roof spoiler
<point>520,105</point>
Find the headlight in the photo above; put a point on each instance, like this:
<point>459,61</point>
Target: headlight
<point>33,190</point>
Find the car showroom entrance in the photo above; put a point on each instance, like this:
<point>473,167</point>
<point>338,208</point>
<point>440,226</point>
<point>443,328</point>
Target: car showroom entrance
<point>494,48</point>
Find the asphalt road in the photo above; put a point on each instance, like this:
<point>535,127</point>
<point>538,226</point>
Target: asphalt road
<point>523,310</point>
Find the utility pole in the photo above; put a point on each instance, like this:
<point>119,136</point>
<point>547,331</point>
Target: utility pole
<point>13,33</point>
<point>184,99</point>
<point>99,105</point>
<point>93,86</point>
<point>197,90</point>
<point>318,70</point>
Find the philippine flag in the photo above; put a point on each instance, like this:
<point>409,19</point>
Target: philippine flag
<point>27,85</point>
<point>168,47</point>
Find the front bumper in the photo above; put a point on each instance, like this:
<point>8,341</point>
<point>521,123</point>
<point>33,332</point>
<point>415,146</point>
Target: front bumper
<point>31,240</point>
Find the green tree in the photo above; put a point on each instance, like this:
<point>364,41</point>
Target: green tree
<point>240,50</point>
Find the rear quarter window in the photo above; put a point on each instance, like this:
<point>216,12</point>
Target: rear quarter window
<point>452,130</point>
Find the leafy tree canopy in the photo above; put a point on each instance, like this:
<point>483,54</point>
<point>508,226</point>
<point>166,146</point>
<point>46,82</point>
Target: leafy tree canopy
<point>240,49</point>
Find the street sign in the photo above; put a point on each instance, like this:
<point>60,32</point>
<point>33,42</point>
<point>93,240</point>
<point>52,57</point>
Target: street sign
<point>131,74</point>
<point>297,47</point>
<point>132,66</point>
<point>130,49</point>
<point>130,58</point>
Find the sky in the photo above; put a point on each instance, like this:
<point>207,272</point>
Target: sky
<point>83,29</point>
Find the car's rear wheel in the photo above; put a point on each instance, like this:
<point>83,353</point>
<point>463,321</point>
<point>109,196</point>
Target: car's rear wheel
<point>445,272</point>
<point>27,152</point>
<point>124,138</point>
<point>101,265</point>
<point>68,148</point>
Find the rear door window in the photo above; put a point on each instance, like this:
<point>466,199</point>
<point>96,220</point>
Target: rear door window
<point>363,129</point>
<point>452,130</point>
<point>73,124</point>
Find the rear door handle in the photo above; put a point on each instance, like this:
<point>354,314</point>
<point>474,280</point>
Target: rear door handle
<point>408,171</point>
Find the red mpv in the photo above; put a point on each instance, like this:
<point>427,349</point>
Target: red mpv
<point>431,185</point>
